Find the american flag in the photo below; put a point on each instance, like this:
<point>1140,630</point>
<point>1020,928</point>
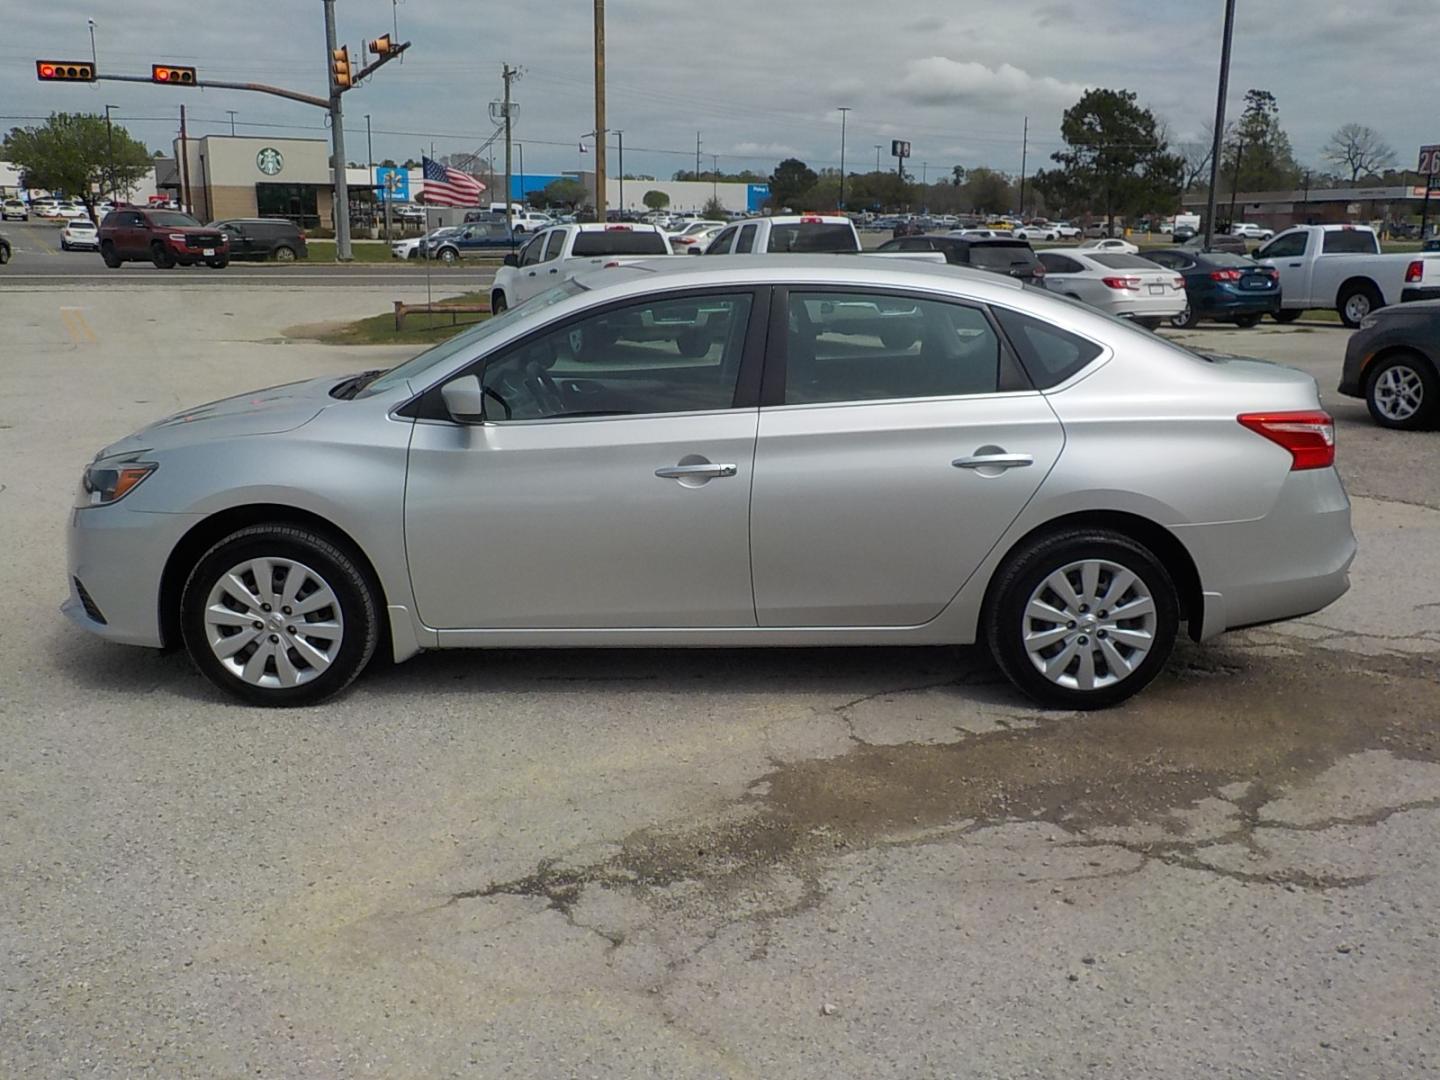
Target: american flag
<point>445,186</point>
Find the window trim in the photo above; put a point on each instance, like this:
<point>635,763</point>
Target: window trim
<point>1012,377</point>
<point>427,404</point>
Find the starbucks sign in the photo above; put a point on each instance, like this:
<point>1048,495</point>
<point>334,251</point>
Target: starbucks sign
<point>269,161</point>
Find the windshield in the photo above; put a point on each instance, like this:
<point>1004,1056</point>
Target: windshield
<point>169,219</point>
<point>467,342</point>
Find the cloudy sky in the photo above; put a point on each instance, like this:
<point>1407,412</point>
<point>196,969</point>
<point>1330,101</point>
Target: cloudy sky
<point>759,79</point>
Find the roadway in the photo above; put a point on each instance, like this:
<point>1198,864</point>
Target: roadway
<point>37,261</point>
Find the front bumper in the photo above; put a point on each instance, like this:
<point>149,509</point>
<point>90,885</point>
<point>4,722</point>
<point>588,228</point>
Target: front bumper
<point>1292,562</point>
<point>119,557</point>
<point>1427,292</point>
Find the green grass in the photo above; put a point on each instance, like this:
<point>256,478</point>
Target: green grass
<point>422,329</point>
<point>323,251</point>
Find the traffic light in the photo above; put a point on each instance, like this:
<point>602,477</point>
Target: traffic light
<point>64,70</point>
<point>381,46</point>
<point>172,76</point>
<point>340,67</point>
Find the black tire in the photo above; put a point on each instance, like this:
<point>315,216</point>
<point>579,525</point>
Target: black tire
<point>1286,315</point>
<point>1356,302</point>
<point>283,253</point>
<point>498,306</point>
<point>161,256</point>
<point>1025,570</point>
<point>64,246</point>
<point>4,253</point>
<point>358,604</point>
<point>107,252</point>
<point>1187,319</point>
<point>218,263</point>
<point>1150,324</point>
<point>1415,370</point>
<point>1245,322</point>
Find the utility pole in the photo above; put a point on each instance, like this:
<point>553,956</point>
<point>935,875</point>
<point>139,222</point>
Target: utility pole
<point>1024,152</point>
<point>369,147</point>
<point>184,164</point>
<point>924,174</point>
<point>340,206</point>
<point>231,113</point>
<point>1235,180</point>
<point>620,140</point>
<point>715,177</point>
<point>1215,148</point>
<point>600,111</point>
<point>877,157</point>
<point>110,151</point>
<point>508,76</point>
<point>697,155</point>
<point>521,148</point>
<point>843,109</point>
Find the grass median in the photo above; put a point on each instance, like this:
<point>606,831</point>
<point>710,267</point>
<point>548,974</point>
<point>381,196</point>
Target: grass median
<point>425,328</point>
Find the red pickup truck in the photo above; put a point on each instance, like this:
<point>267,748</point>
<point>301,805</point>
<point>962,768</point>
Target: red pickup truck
<point>165,237</point>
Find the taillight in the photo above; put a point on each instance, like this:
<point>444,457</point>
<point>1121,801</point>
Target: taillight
<point>1309,436</point>
<point>1038,270</point>
<point>1177,282</point>
<point>809,219</point>
<point>1414,272</point>
<point>1122,282</point>
<point>1224,275</point>
<point>302,235</point>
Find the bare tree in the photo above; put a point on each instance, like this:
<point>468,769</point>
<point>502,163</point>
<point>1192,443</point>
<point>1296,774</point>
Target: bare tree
<point>1359,149</point>
<point>1196,156</point>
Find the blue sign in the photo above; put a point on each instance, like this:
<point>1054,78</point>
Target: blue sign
<point>398,188</point>
<point>755,196</point>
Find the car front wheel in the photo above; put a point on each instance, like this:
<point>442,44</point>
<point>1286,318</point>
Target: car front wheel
<point>160,255</point>
<point>1082,619</point>
<point>279,615</point>
<point>1403,392</point>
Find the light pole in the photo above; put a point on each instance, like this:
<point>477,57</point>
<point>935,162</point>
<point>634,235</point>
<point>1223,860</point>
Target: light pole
<point>842,109</point>
<point>599,111</point>
<point>1215,148</point>
<point>231,113</point>
<point>877,157</point>
<point>340,201</point>
<point>620,141</point>
<point>110,151</point>
<point>715,177</point>
<point>94,60</point>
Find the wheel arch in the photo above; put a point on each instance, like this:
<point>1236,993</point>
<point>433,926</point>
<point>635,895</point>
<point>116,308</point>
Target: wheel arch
<point>1167,547</point>
<point>1358,281</point>
<point>1390,351</point>
<point>209,531</point>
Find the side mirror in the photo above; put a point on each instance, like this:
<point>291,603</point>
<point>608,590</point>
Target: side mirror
<point>464,399</point>
<point>512,259</point>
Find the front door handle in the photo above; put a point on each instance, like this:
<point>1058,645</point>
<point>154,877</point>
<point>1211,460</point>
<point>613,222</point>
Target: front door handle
<point>993,461</point>
<point>1297,264</point>
<point>706,471</point>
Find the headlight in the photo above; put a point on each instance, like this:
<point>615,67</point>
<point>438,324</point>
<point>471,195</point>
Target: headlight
<point>1369,322</point>
<point>106,482</point>
<point>179,238</point>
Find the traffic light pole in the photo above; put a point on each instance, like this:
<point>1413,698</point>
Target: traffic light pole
<point>340,208</point>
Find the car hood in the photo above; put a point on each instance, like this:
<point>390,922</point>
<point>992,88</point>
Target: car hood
<point>260,412</point>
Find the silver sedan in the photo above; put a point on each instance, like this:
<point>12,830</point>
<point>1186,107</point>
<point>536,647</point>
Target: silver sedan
<point>795,450</point>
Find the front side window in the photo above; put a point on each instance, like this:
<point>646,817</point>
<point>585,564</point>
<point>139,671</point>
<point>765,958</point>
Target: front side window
<point>1289,246</point>
<point>1050,355</point>
<point>554,245</point>
<point>721,244</point>
<point>874,347</point>
<point>746,243</point>
<point>533,250</point>
<point>659,356</point>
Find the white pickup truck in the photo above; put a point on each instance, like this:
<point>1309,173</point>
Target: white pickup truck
<point>1342,267</point>
<point>559,253</point>
<point>803,234</point>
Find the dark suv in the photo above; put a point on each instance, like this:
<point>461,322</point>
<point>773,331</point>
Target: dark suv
<point>1014,258</point>
<point>264,238</point>
<point>165,237</point>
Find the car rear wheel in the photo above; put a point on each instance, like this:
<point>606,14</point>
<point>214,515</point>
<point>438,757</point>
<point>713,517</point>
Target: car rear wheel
<point>1082,619</point>
<point>160,255</point>
<point>4,254</point>
<point>107,252</point>
<point>1357,302</point>
<point>1245,322</point>
<point>1286,315</point>
<point>279,615</point>
<point>1403,392</point>
<point>283,253</point>
<point>1186,320</point>
<point>218,263</point>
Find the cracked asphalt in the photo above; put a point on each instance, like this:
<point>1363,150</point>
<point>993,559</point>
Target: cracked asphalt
<point>800,863</point>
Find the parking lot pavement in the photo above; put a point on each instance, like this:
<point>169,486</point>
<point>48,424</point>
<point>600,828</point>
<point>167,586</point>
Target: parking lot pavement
<point>799,863</point>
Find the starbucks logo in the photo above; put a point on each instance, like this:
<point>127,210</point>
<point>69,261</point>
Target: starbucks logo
<point>269,161</point>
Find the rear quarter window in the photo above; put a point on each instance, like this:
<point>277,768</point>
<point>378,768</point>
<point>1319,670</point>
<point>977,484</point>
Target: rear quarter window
<point>1049,355</point>
<point>619,242</point>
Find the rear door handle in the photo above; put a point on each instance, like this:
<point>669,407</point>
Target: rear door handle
<point>993,461</point>
<point>696,472</point>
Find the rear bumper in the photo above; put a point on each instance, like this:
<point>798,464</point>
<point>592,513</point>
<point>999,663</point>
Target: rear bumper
<point>1149,307</point>
<point>1219,303</point>
<point>1292,562</point>
<point>1428,292</point>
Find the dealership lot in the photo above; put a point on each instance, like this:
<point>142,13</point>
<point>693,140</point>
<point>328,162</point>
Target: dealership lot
<point>805,863</point>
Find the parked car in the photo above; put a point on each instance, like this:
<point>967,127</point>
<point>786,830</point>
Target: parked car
<point>468,241</point>
<point>1036,232</point>
<point>14,210</point>
<point>1251,232</point>
<point>1221,286</point>
<point>689,236</point>
<point>1341,267</point>
<point>1024,471</point>
<point>1180,233</point>
<point>1112,244</point>
<point>4,250</point>
<point>1125,286</point>
<point>561,252</point>
<point>80,234</point>
<point>1234,245</point>
<point>1067,231</point>
<point>1393,362</point>
<point>71,212</point>
<point>530,221</point>
<point>783,234</point>
<point>1098,230</point>
<point>409,248</point>
<point>165,237</point>
<point>1013,258</point>
<point>264,238</point>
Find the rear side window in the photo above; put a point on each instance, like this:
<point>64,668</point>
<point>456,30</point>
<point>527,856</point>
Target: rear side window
<point>620,242</point>
<point>1002,256</point>
<point>811,236</point>
<point>1059,264</point>
<point>1349,242</point>
<point>1050,355</point>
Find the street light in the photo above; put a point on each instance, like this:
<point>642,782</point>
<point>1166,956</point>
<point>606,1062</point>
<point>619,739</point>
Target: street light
<point>110,151</point>
<point>843,109</point>
<point>877,156</point>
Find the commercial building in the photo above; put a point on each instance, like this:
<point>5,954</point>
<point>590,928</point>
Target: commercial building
<point>686,195</point>
<point>1321,206</point>
<point>230,176</point>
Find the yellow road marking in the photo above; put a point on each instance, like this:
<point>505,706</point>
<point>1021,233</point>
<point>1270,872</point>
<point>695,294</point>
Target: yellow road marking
<point>78,327</point>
